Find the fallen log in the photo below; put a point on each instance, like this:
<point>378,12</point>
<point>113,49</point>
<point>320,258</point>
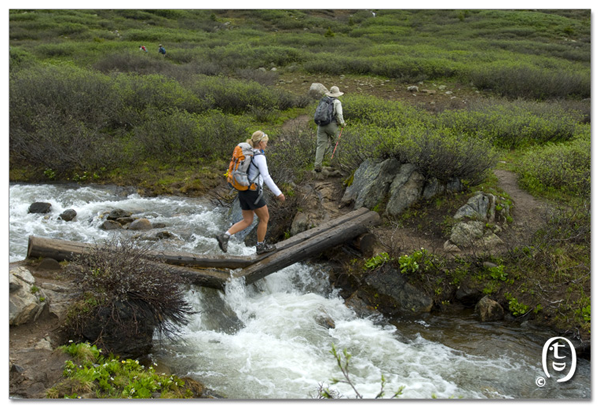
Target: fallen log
<point>309,248</point>
<point>215,271</point>
<point>66,250</point>
<point>305,235</point>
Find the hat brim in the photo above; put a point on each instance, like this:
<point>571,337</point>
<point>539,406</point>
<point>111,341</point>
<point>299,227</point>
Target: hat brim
<point>334,95</point>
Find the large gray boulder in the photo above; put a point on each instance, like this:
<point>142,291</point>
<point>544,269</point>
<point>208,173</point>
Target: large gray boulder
<point>480,207</point>
<point>24,297</point>
<point>405,189</point>
<point>371,183</point>
<point>394,294</point>
<point>317,90</point>
<point>39,208</point>
<point>376,180</point>
<point>141,224</point>
<point>478,223</point>
<point>467,234</point>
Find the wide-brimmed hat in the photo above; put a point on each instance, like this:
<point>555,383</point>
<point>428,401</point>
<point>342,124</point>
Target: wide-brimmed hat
<point>334,92</point>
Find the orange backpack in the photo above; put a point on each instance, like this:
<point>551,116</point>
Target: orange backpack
<point>237,174</point>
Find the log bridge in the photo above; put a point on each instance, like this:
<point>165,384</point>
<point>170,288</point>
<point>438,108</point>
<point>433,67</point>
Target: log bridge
<point>215,271</point>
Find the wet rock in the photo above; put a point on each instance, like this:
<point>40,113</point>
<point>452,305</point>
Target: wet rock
<point>324,320</point>
<point>360,307</point>
<point>390,291</point>
<point>68,215</point>
<point>39,208</point>
<point>109,225</point>
<point>141,224</point>
<point>118,213</point>
<point>164,235</point>
<point>488,310</point>
<point>125,220</point>
<point>467,295</point>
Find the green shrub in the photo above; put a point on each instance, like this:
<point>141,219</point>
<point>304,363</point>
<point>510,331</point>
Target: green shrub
<point>238,97</point>
<point>565,168</point>
<point>141,92</point>
<point>514,124</point>
<point>522,81</point>
<point>111,377</point>
<point>174,135</point>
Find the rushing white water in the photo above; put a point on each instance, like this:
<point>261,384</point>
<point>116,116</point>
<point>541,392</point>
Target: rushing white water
<point>267,340</point>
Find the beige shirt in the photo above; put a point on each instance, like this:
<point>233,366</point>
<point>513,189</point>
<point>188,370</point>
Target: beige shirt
<point>338,113</point>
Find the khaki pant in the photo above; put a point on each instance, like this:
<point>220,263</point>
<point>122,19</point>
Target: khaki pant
<point>325,136</point>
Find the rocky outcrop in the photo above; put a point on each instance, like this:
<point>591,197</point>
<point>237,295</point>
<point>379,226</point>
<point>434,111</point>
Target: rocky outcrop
<point>27,298</point>
<point>479,220</point>
<point>383,291</point>
<point>26,301</point>
<point>394,295</point>
<point>393,184</point>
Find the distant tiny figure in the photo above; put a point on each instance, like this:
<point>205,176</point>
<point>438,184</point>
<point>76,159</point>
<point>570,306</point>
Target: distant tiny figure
<point>162,50</point>
<point>142,48</point>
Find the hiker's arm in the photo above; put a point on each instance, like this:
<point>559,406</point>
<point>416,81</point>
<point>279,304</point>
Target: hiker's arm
<point>338,112</point>
<point>261,163</point>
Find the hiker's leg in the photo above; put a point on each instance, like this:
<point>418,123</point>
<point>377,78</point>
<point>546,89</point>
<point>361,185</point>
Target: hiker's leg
<point>323,142</point>
<point>247,218</point>
<point>263,221</point>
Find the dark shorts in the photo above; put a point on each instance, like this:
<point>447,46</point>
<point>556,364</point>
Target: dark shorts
<point>247,199</point>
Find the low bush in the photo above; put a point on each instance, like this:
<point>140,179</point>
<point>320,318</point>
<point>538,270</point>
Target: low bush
<point>514,124</point>
<point>90,373</point>
<point>117,276</point>
<point>174,135</point>
<point>436,153</point>
<point>522,81</point>
<point>558,168</point>
<point>238,96</point>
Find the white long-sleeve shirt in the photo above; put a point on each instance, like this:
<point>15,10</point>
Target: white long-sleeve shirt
<point>338,113</point>
<point>262,171</point>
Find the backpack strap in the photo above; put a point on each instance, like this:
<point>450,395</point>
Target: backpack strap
<point>259,187</point>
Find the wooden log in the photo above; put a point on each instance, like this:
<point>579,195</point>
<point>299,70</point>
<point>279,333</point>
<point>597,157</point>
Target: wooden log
<point>208,278</point>
<point>309,248</point>
<point>305,235</point>
<point>198,269</point>
<point>61,250</point>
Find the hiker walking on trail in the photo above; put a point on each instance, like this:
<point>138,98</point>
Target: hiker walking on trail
<point>252,201</point>
<point>328,117</point>
<point>162,50</point>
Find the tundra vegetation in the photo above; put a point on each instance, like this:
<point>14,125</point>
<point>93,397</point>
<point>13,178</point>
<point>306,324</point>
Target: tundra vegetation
<point>87,105</point>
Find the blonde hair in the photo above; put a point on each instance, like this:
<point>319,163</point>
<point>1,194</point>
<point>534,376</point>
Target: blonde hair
<point>257,137</point>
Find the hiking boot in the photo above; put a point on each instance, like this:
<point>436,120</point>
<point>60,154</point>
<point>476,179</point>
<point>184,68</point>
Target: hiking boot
<point>223,240</point>
<point>318,168</point>
<point>263,248</point>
